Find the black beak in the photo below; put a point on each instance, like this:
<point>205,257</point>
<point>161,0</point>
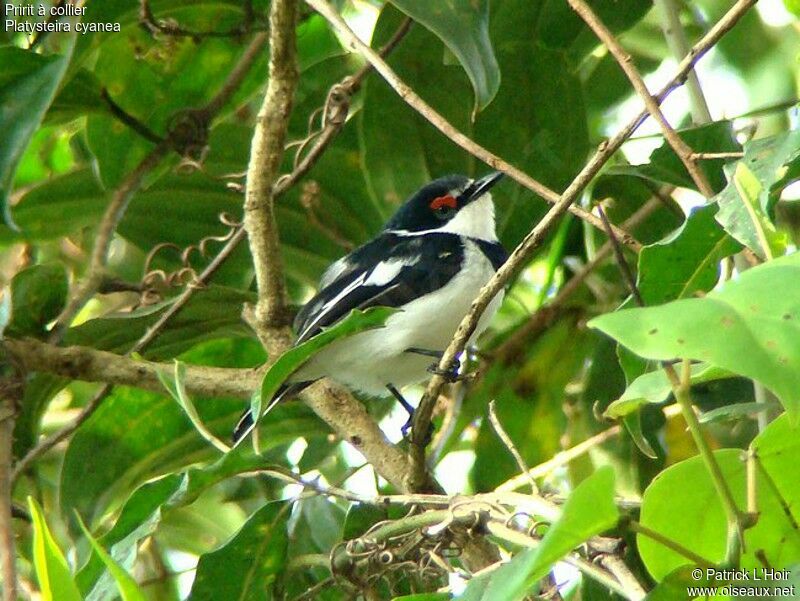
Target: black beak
<point>480,186</point>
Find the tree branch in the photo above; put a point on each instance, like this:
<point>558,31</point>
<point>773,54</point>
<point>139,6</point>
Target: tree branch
<point>524,251</point>
<point>266,154</point>
<point>91,365</point>
<point>405,91</point>
<point>625,61</point>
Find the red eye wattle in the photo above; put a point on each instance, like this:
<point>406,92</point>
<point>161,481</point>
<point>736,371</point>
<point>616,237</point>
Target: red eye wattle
<point>443,201</point>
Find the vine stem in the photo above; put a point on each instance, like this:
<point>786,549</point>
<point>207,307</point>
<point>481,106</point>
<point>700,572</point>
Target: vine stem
<point>736,520</point>
<point>679,46</point>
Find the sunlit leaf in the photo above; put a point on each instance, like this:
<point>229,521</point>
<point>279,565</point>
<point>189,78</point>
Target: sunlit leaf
<point>742,215</point>
<point>745,327</point>
<point>52,572</point>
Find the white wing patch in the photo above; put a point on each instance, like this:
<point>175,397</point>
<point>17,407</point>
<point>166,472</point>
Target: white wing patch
<point>385,271</point>
<point>333,271</point>
<point>380,275</point>
<point>332,303</point>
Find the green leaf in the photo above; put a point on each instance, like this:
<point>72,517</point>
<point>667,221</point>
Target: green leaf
<point>666,168</point>
<point>655,387</point>
<point>463,26</point>
<point>52,572</point>
<point>589,510</point>
<point>245,567</point>
<point>745,327</point>
<point>675,584</point>
<point>743,217</point>
<point>424,597</point>
<point>737,411</point>
<point>356,321</point>
<point>777,449</point>
<point>38,294</point>
<point>685,262</point>
<point>139,518</point>
<point>177,390</point>
<point>128,589</point>
<point>682,504</point>
<point>28,83</point>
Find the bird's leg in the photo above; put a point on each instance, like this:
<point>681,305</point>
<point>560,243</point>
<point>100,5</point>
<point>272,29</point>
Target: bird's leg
<point>410,409</point>
<point>451,374</point>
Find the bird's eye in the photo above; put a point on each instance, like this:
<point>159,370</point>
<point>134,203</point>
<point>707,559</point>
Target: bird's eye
<point>444,213</point>
<point>444,207</point>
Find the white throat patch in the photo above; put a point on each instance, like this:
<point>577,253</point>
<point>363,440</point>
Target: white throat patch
<point>476,220</point>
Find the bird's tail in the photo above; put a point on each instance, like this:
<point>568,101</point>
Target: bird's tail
<point>246,422</point>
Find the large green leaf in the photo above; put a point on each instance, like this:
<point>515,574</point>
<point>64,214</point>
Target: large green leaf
<point>55,579</point>
<point>463,26</point>
<point>686,262</point>
<point>28,84</point>
<point>246,566</point>
<point>589,510</point>
<point>38,294</point>
<point>744,327</point>
<point>682,504</point>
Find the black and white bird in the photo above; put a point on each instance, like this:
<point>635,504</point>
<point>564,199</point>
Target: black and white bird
<point>430,260</point>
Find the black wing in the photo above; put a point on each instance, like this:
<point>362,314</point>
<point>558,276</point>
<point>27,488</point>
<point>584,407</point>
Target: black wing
<point>389,271</point>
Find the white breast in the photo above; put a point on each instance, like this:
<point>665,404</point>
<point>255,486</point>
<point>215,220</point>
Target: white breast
<point>370,360</point>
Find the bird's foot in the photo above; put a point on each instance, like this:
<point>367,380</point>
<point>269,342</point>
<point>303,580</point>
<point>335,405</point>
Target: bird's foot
<point>406,427</point>
<point>451,374</point>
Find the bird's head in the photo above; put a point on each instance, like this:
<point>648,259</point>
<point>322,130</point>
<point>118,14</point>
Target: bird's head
<point>454,203</point>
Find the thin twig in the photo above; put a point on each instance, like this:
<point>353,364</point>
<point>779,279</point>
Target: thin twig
<point>703,156</point>
<point>525,249</point>
<point>624,268</point>
<point>129,120</point>
<point>65,432</point>
<point>108,225</point>
<point>405,91</point>
<point>509,444</point>
<point>625,61</point>
<point>235,78</point>
<point>668,543</point>
<point>8,556</point>
<point>616,566</point>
